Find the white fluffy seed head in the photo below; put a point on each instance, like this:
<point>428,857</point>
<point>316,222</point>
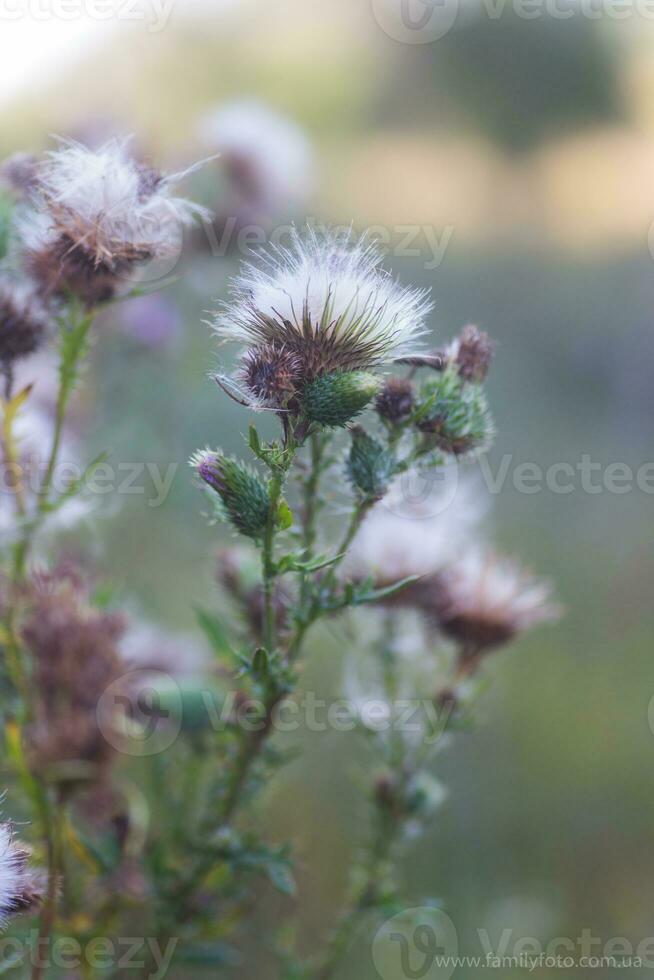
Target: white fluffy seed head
<point>13,871</point>
<point>405,536</point>
<point>326,297</point>
<point>268,154</point>
<point>481,585</point>
<point>107,203</point>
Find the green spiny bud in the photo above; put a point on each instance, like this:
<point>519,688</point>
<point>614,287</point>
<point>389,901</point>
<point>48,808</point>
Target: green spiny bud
<point>335,399</point>
<point>370,466</point>
<point>243,495</point>
<point>455,414</point>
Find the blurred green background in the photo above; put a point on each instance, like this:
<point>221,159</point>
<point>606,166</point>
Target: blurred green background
<point>529,144</point>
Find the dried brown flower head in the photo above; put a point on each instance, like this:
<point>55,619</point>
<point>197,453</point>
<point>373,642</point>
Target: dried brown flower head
<point>23,320</point>
<point>98,214</point>
<point>272,374</point>
<point>395,401</point>
<point>484,601</point>
<point>75,658</point>
<point>472,352</point>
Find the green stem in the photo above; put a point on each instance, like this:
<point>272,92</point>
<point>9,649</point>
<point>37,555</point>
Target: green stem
<point>387,826</point>
<point>268,563</point>
<point>365,898</point>
<point>73,347</point>
<point>48,915</point>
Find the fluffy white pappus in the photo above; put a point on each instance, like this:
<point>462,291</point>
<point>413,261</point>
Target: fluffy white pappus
<point>146,646</point>
<point>13,871</point>
<point>108,203</point>
<point>326,291</point>
<point>483,585</point>
<point>417,534</point>
<point>269,152</point>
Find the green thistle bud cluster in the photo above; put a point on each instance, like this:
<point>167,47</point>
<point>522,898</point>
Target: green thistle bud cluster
<point>455,413</point>
<point>244,500</point>
<point>370,466</point>
<point>335,399</point>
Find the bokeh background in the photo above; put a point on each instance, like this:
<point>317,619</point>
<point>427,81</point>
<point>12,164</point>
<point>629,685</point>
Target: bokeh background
<point>526,146</point>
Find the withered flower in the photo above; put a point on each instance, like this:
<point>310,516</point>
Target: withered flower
<point>98,215</point>
<point>395,401</point>
<point>23,320</point>
<point>75,658</point>
<point>484,601</point>
<point>472,353</point>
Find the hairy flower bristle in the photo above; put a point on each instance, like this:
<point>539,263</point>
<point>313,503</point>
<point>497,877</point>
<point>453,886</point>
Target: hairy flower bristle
<point>272,374</point>
<point>326,300</point>
<point>21,888</point>
<point>13,864</point>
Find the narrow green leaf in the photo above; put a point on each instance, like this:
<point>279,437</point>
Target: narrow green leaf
<point>215,632</point>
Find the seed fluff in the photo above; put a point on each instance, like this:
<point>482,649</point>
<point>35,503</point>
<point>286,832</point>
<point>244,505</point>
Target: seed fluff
<point>325,304</point>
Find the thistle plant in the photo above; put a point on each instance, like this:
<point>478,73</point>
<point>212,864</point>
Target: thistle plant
<point>78,228</point>
<point>333,348</point>
<point>320,324</point>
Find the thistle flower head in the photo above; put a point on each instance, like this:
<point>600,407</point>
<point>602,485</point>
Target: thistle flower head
<point>98,214</point>
<point>455,414</point>
<point>266,155</point>
<point>74,650</point>
<point>23,320</point>
<point>243,496</point>
<point>472,353</point>
<point>326,300</point>
<point>484,601</point>
<point>20,888</point>
<point>412,534</point>
<point>272,374</point>
<point>13,865</point>
<point>370,465</point>
<point>394,403</point>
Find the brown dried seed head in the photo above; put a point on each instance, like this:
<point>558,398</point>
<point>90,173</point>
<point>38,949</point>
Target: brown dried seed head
<point>395,400</point>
